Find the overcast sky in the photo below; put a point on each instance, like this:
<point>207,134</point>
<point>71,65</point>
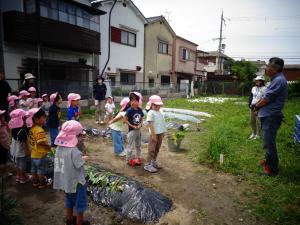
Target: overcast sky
<point>255,29</point>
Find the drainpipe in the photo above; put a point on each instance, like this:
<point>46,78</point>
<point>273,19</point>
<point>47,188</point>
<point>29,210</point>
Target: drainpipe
<point>109,37</point>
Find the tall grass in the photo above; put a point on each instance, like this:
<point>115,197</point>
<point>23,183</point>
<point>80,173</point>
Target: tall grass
<point>276,199</point>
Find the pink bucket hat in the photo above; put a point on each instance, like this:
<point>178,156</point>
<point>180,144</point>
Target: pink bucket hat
<point>124,103</point>
<point>154,99</point>
<point>44,95</point>
<point>140,97</point>
<point>23,93</point>
<point>38,100</point>
<point>67,137</point>
<point>52,97</point>
<point>16,118</point>
<point>32,89</point>
<point>30,114</point>
<point>73,97</point>
<point>11,100</point>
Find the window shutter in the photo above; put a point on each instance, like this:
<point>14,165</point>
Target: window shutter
<point>115,34</point>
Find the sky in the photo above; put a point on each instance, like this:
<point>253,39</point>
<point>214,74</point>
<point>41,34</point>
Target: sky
<point>255,29</point>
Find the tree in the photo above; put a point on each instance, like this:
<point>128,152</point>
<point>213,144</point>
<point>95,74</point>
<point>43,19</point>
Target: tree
<point>245,71</point>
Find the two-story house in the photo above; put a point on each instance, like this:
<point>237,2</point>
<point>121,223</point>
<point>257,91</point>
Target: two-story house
<point>159,37</point>
<point>184,61</point>
<point>122,55</point>
<point>56,40</point>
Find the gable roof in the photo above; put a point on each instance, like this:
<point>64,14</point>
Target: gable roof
<point>161,18</point>
<point>129,3</point>
<point>187,40</point>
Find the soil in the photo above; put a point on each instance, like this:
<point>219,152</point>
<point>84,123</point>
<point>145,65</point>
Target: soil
<point>200,195</point>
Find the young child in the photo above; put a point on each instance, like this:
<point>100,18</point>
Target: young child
<point>109,108</point>
<point>12,102</point>
<point>157,128</point>
<point>19,148</point>
<point>23,100</point>
<point>32,98</point>
<point>69,171</point>
<point>53,121</point>
<point>134,118</point>
<point>40,103</point>
<point>39,148</point>
<point>4,142</point>
<point>73,106</point>
<point>46,104</point>
<point>117,126</point>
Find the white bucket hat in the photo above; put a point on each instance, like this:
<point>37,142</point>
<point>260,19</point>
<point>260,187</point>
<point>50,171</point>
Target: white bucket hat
<point>29,76</point>
<point>259,77</point>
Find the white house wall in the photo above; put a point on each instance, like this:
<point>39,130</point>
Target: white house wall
<point>122,56</point>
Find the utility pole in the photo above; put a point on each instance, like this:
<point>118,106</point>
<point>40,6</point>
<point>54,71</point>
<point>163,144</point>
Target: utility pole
<point>220,45</point>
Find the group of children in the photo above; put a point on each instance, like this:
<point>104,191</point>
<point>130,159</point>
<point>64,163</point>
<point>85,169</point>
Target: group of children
<point>30,117</point>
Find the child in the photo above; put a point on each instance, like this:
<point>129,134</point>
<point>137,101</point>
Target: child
<point>257,94</point>
<point>134,118</point>
<point>54,116</point>
<point>19,148</point>
<point>39,148</point>
<point>23,102</point>
<point>69,171</point>
<point>117,126</point>
<point>40,103</point>
<point>32,98</point>
<point>157,128</point>
<point>4,142</point>
<point>46,104</point>
<point>109,108</point>
<point>73,104</point>
<point>12,103</point>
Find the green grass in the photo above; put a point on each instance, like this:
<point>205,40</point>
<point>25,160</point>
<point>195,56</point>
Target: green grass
<point>277,200</point>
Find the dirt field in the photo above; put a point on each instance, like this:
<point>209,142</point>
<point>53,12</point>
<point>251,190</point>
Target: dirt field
<point>200,195</point>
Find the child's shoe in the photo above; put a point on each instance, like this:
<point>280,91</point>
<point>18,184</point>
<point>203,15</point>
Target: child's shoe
<point>47,183</point>
<point>24,180</point>
<point>252,136</point>
<point>17,179</point>
<point>138,162</point>
<point>131,162</point>
<point>150,168</point>
<point>155,164</point>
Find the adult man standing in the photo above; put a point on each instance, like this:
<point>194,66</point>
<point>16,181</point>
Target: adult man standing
<point>99,96</point>
<point>29,82</point>
<point>270,113</point>
<point>5,91</point>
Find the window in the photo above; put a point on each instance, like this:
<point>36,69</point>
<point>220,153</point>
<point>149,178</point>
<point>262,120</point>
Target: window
<point>128,38</point>
<point>151,82</point>
<point>185,54</point>
<point>163,48</point>
<point>165,80</point>
<point>68,13</point>
<point>127,78</point>
<point>29,6</point>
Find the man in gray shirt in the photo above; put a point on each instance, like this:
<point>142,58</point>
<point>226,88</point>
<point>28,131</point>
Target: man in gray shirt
<point>270,113</point>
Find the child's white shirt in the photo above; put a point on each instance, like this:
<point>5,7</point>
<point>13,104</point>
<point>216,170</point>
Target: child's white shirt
<point>110,108</point>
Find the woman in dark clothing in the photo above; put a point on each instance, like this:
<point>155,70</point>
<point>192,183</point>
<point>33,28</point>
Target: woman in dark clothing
<point>5,91</point>
<point>99,92</point>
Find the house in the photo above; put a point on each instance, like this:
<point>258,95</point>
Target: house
<point>184,62</point>
<point>159,37</point>
<point>122,55</point>
<point>56,40</point>
<point>261,66</point>
<point>292,72</point>
<point>215,63</point>
<point>201,64</point>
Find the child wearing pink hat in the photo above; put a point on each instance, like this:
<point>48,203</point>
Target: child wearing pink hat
<point>73,104</point>
<point>24,103</point>
<point>19,148</point>
<point>157,129</point>
<point>45,103</point>
<point>69,171</point>
<point>117,126</point>
<point>33,100</point>
<point>12,102</point>
<point>53,120</point>
<point>39,147</point>
<point>4,142</point>
<point>134,118</point>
